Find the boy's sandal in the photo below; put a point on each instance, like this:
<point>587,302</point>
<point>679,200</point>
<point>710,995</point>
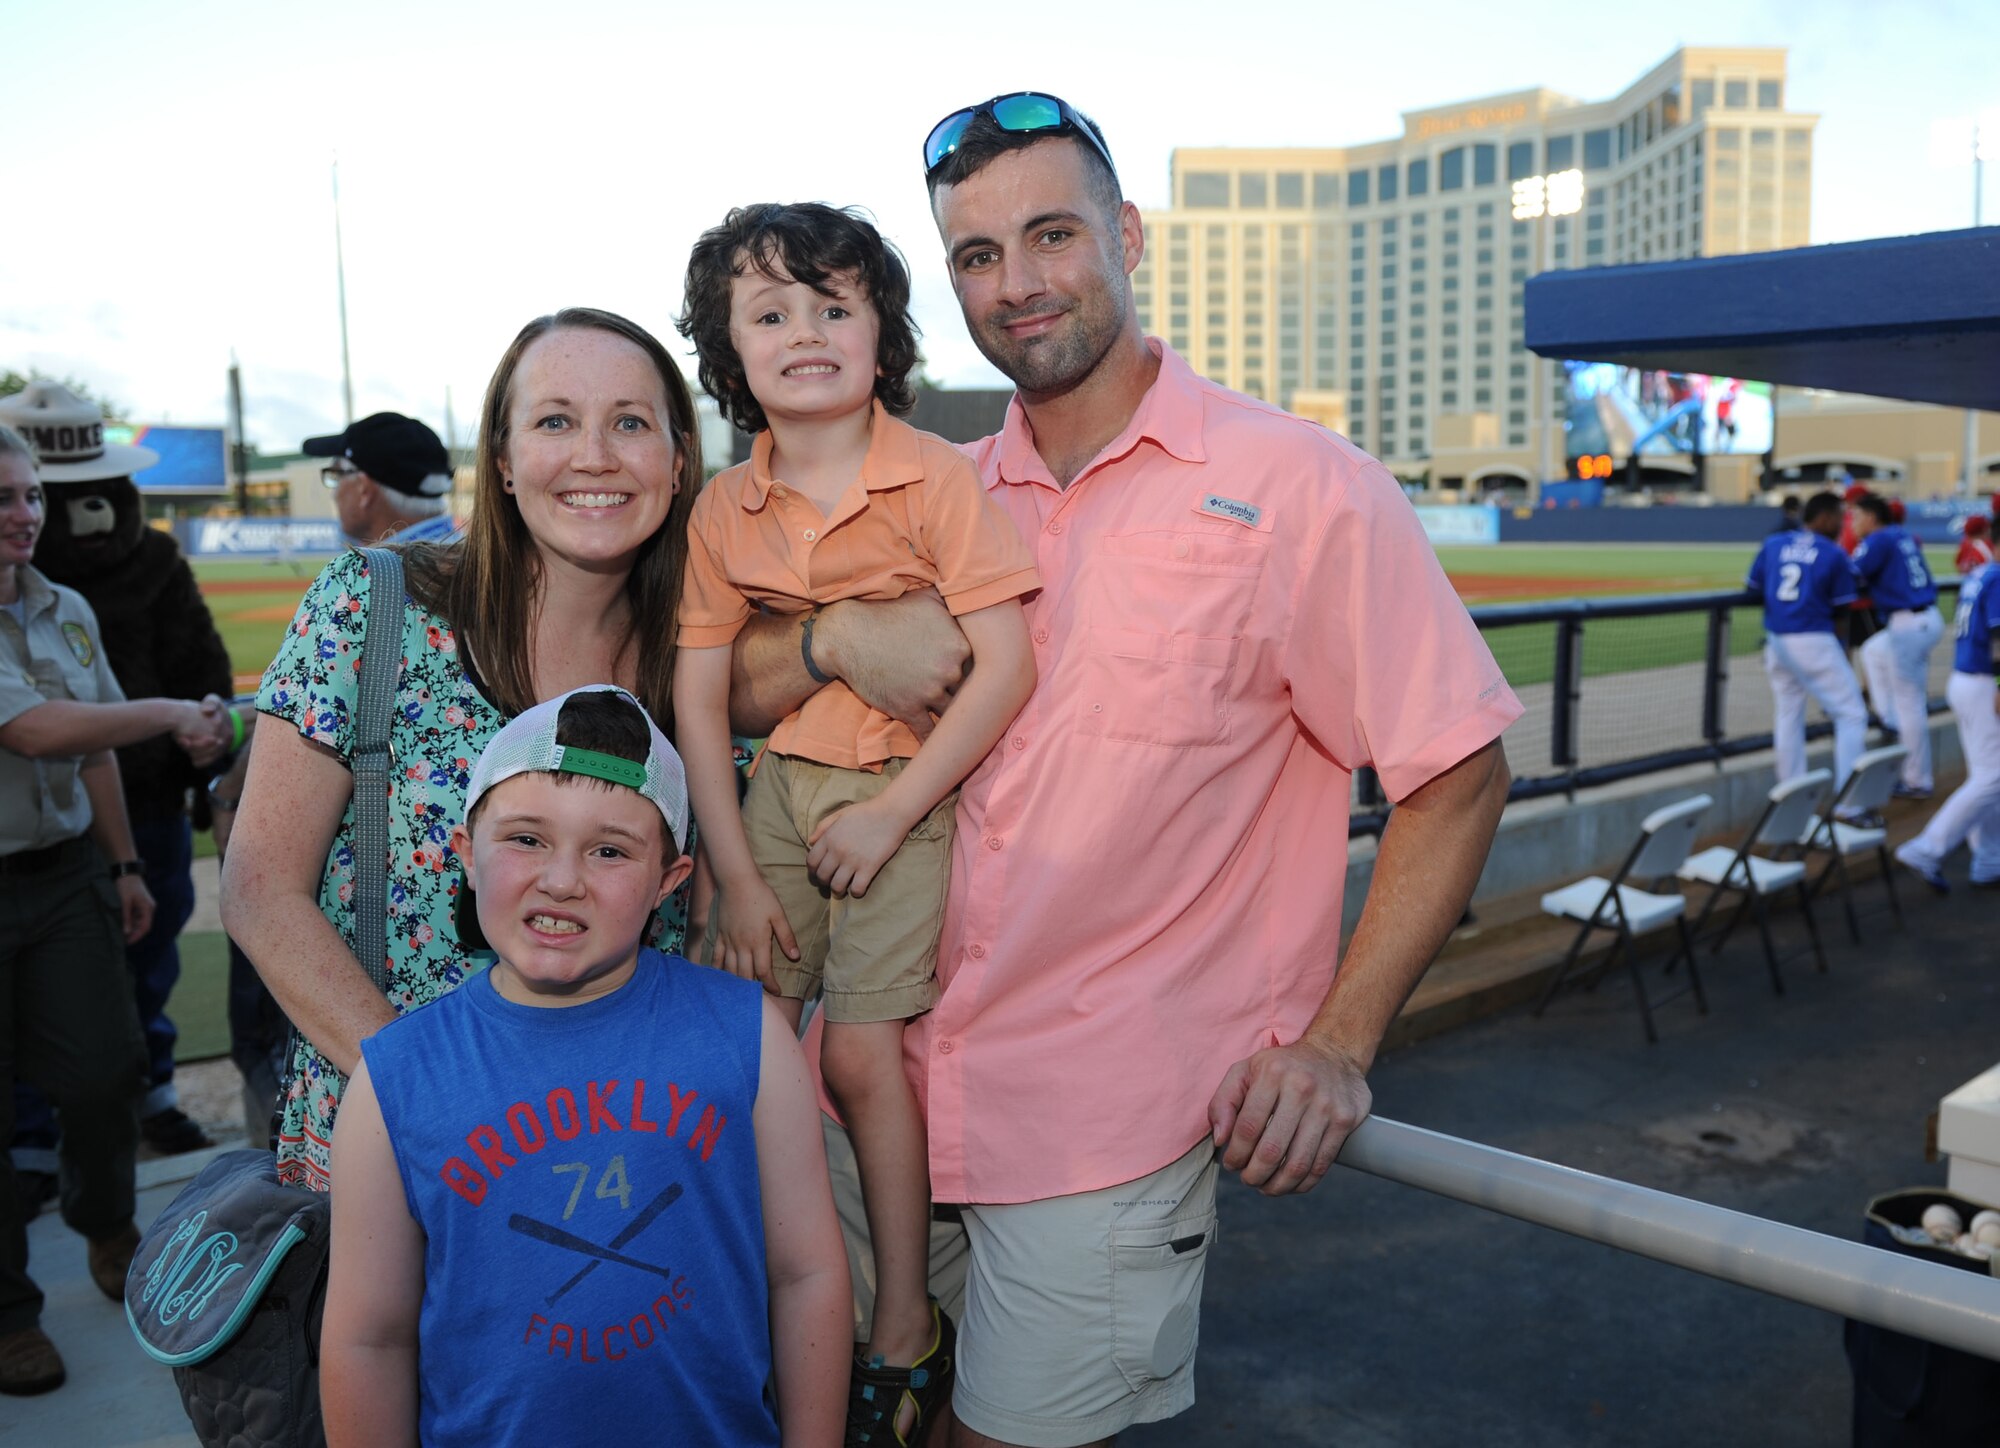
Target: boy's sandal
<point>876,1394</point>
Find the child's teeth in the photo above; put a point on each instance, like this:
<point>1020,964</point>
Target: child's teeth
<point>549,925</point>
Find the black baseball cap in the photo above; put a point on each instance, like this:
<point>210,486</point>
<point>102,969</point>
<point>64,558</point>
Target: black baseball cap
<point>396,451</point>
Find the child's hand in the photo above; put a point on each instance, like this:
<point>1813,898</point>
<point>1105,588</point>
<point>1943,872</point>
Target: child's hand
<point>751,915</point>
<point>852,844</point>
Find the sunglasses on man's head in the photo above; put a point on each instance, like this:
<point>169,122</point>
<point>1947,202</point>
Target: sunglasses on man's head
<point>1024,113</point>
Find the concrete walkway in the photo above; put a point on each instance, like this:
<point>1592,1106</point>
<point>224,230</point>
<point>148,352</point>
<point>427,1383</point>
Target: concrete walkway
<point>116,1396</point>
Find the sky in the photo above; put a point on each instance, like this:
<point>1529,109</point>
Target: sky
<point>165,187</point>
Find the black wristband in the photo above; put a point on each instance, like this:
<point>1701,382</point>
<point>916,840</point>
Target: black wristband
<point>806,650</point>
<point>126,867</point>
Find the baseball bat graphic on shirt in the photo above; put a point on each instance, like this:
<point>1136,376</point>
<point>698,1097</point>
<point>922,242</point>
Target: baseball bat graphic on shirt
<point>632,1229</point>
<point>557,1237</point>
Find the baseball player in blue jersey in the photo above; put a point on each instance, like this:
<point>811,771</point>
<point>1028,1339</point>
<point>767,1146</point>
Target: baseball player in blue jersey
<point>1897,659</point>
<point>1804,580</point>
<point>1972,813</point>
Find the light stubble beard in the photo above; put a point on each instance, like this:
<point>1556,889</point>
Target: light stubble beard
<point>1057,361</point>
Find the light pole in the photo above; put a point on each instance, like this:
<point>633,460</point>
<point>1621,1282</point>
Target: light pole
<point>1949,142</point>
<point>1537,199</point>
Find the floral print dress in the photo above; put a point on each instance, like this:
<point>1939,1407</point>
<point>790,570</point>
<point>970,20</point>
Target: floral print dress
<point>440,724</point>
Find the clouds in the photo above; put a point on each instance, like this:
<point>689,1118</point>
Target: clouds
<point>501,160</point>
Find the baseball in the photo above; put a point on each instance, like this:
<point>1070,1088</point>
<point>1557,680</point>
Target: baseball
<point>1987,1232</point>
<point>1943,1223</point>
<point>1987,1218</point>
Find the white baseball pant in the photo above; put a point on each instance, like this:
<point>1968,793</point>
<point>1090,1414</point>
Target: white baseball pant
<point>1897,661</point>
<point>1972,813</point>
<point>1813,666</point>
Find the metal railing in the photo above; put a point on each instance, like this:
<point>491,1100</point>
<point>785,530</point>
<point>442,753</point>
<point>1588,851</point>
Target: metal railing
<point>1922,1299</point>
<point>1619,687</point>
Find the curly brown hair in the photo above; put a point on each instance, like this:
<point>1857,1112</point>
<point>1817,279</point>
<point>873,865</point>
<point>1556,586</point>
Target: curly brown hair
<point>803,241</point>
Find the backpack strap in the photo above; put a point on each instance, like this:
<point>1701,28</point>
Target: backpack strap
<point>381,663</point>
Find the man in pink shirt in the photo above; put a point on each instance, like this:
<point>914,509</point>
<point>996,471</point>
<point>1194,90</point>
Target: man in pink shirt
<point>1138,952</point>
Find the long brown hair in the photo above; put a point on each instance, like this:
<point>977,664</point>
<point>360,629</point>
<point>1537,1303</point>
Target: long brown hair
<point>488,585</point>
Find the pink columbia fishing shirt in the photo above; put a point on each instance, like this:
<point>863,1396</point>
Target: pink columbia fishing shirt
<point>1239,609</point>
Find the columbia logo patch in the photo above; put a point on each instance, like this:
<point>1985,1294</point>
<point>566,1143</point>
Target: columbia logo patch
<point>1234,509</point>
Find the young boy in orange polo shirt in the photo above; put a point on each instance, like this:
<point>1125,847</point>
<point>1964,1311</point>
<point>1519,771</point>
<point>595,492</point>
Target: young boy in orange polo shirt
<point>800,316</point>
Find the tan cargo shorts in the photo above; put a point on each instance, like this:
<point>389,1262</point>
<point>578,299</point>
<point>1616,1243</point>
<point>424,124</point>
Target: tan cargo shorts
<point>871,957</point>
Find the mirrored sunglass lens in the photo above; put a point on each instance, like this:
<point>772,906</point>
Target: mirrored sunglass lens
<point>1028,113</point>
<point>944,138</point>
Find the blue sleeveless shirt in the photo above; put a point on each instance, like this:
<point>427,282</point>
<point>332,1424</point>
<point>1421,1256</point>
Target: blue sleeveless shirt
<point>586,1177</point>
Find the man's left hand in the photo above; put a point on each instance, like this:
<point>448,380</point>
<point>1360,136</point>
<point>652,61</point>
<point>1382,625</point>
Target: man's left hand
<point>1281,1115</point>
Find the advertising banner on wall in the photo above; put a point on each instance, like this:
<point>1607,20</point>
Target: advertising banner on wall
<point>1472,523</point>
<point>259,537</point>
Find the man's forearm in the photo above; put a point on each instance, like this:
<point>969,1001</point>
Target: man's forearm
<point>1426,869</point>
<point>767,675</point>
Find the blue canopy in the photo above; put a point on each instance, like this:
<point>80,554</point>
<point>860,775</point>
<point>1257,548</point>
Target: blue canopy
<point>1914,317</point>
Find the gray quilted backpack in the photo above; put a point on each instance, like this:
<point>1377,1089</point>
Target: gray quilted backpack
<point>227,1290</point>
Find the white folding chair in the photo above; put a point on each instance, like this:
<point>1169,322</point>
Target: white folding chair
<point>1665,837</point>
<point>1868,790</point>
<point>1740,871</point>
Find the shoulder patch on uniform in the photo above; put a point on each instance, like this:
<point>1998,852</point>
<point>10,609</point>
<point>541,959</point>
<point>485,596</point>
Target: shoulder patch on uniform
<point>78,639</point>
<point>1234,509</point>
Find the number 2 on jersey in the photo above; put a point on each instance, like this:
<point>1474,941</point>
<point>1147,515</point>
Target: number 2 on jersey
<point>1788,582</point>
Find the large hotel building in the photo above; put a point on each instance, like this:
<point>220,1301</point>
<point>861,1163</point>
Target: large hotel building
<point>1377,287</point>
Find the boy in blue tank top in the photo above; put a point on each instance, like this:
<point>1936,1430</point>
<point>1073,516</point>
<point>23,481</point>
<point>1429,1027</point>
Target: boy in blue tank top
<point>583,1198</point>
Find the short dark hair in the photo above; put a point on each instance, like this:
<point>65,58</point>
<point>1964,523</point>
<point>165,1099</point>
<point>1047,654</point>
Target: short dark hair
<point>810,243</point>
<point>1819,505</point>
<point>1877,507</point>
<point>985,141</point>
<point>1789,503</point>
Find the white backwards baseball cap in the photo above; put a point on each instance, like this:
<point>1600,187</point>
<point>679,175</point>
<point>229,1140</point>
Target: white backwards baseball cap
<point>527,745</point>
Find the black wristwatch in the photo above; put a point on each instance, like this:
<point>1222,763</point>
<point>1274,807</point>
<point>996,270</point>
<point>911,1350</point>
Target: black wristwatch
<point>127,867</point>
<point>217,800</point>
<point>806,650</point>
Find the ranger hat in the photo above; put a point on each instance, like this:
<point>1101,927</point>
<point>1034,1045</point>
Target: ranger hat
<point>67,434</point>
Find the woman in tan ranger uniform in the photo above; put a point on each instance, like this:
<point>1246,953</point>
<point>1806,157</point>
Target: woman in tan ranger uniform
<point>72,893</point>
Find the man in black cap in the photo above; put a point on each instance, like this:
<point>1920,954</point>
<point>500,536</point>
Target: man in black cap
<point>391,480</point>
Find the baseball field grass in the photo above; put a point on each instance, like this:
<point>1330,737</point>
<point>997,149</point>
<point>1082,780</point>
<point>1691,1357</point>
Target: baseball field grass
<point>253,601</point>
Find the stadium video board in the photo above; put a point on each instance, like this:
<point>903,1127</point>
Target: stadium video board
<point>1618,412</point>
<point>192,459</point>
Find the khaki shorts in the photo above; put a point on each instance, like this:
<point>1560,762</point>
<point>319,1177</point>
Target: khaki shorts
<point>871,957</point>
<point>1077,1316</point>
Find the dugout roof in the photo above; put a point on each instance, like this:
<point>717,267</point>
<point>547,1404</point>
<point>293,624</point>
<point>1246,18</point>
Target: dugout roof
<point>1913,317</point>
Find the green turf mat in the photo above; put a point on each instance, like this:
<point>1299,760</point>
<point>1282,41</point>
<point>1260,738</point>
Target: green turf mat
<point>199,1005</point>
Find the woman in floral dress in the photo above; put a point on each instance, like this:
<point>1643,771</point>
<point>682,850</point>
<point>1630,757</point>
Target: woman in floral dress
<point>568,574</point>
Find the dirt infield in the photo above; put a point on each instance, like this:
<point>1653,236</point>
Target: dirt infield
<point>1517,587</point>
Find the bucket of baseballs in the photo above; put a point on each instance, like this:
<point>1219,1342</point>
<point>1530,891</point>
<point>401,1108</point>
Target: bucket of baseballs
<point>1938,1226</point>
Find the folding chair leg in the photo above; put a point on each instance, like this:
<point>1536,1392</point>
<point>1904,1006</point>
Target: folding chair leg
<point>1603,968</point>
<point>1568,961</point>
<point>1770,950</point>
<point>1735,919</point>
<point>1812,929</point>
<point>1694,974</point>
<point>1889,883</point>
<point>1707,908</point>
<point>1639,987</point>
<point>1846,899</point>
